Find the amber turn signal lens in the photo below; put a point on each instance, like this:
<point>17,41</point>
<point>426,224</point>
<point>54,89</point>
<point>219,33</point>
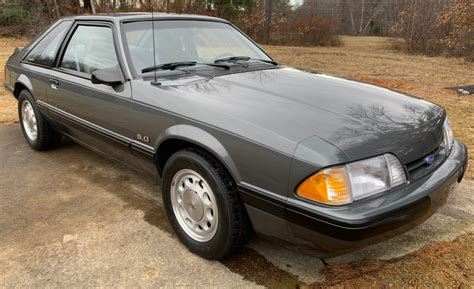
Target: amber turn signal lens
<point>330,186</point>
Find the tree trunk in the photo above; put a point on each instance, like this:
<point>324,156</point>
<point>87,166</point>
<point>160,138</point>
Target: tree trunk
<point>93,6</point>
<point>375,14</point>
<point>269,21</point>
<point>353,29</point>
<point>362,13</point>
<point>56,7</point>
<point>87,5</point>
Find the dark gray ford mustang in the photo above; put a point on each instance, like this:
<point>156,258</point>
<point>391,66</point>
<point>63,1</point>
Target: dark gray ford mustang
<point>241,143</point>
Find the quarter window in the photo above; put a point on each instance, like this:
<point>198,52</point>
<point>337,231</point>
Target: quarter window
<point>91,48</point>
<point>45,51</point>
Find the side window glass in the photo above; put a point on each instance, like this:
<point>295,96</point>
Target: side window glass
<point>90,48</point>
<point>45,51</point>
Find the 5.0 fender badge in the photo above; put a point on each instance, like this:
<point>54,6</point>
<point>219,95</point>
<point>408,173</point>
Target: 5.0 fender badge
<point>143,138</point>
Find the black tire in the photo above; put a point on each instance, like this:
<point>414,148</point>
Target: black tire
<point>46,136</point>
<point>233,228</point>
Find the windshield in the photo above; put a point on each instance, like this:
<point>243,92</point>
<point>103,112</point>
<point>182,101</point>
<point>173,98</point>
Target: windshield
<point>185,40</point>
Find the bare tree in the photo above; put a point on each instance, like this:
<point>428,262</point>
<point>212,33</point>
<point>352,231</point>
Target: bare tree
<point>269,20</point>
<point>92,6</point>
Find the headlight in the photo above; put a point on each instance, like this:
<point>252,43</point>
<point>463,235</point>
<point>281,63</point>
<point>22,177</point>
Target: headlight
<point>448,135</point>
<point>341,185</point>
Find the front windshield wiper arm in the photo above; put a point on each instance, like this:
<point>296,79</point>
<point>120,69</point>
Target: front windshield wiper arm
<point>174,65</point>
<point>243,58</point>
<point>169,66</point>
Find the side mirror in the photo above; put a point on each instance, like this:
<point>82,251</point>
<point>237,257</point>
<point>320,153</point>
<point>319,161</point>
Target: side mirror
<point>110,76</point>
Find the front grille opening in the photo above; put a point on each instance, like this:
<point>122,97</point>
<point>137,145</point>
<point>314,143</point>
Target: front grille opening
<point>421,162</point>
<point>421,167</point>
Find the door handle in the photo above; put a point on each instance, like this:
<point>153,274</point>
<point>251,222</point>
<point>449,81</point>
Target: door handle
<point>54,83</point>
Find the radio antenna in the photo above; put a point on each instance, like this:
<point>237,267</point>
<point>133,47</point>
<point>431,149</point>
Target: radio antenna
<point>155,81</point>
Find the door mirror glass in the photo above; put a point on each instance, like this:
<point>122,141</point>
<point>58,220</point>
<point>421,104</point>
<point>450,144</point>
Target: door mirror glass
<point>110,76</point>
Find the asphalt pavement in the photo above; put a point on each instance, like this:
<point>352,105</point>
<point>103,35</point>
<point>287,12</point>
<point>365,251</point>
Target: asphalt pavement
<point>70,217</point>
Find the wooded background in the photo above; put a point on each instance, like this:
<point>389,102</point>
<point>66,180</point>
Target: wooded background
<point>418,26</point>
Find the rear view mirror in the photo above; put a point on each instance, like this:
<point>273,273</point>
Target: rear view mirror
<point>110,76</point>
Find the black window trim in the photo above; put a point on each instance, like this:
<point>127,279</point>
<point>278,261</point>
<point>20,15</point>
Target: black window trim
<point>69,35</point>
<point>39,39</point>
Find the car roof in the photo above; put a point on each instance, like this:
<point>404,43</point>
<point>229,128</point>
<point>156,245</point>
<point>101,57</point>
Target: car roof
<point>143,16</point>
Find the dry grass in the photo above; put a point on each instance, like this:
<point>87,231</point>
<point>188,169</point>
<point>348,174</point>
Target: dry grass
<point>8,105</point>
<point>369,59</point>
<point>440,265</point>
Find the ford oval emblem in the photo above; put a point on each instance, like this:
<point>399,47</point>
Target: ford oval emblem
<point>429,160</point>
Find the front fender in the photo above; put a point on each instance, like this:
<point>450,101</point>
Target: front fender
<point>202,139</point>
<point>311,155</point>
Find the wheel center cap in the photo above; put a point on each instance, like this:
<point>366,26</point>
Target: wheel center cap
<point>193,205</point>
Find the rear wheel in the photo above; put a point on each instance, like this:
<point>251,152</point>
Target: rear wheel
<point>203,205</point>
<point>37,131</point>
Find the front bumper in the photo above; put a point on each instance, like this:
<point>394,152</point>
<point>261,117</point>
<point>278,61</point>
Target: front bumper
<point>328,231</point>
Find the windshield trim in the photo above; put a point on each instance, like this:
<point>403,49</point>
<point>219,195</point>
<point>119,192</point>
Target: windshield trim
<point>137,75</point>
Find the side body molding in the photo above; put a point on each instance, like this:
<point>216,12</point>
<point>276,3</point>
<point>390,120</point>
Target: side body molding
<point>200,138</point>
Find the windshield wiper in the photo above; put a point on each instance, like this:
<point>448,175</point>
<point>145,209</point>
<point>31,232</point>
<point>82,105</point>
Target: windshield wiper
<point>174,65</point>
<point>243,58</point>
<point>169,66</point>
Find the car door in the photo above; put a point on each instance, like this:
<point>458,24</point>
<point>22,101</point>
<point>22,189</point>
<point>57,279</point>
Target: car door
<point>94,114</point>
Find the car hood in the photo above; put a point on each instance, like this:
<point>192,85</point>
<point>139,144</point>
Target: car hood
<point>282,108</point>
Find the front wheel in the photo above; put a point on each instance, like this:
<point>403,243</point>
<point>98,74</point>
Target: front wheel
<point>203,205</point>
